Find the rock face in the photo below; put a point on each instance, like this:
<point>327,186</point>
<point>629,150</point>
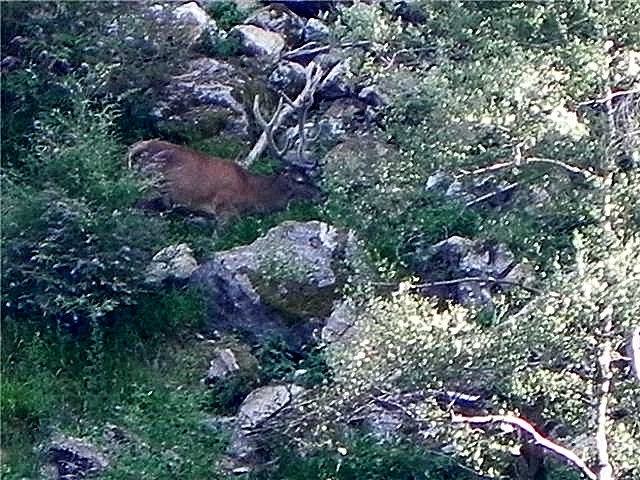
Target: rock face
<point>340,324</point>
<point>260,406</point>
<point>458,257</point>
<point>279,19</point>
<point>316,31</point>
<point>71,458</point>
<point>258,42</point>
<point>267,288</point>
<point>203,99</point>
<point>482,191</point>
<point>174,262</point>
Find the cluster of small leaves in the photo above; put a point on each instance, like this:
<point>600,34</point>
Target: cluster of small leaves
<point>362,457</point>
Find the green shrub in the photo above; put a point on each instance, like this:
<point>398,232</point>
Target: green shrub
<point>73,247</point>
<point>227,14</point>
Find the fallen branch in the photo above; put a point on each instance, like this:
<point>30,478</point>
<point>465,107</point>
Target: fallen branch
<point>498,281</point>
<point>570,169</point>
<point>610,97</point>
<point>525,427</point>
<point>313,48</point>
<point>634,352</point>
<point>492,194</point>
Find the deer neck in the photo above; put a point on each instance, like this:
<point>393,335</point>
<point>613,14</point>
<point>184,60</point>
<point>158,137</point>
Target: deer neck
<point>271,192</point>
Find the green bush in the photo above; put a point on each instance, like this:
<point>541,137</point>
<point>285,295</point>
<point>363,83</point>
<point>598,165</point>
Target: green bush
<point>227,14</point>
<point>73,247</point>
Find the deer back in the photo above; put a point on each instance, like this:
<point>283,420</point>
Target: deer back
<point>212,185</point>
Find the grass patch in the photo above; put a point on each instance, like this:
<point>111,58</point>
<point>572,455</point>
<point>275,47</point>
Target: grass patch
<point>141,372</point>
<point>366,458</point>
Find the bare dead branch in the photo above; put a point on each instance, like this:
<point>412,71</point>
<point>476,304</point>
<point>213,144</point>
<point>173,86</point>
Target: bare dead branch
<point>604,361</point>
<point>610,96</point>
<point>571,169</point>
<point>525,427</point>
<point>314,48</point>
<point>490,195</point>
<point>634,352</point>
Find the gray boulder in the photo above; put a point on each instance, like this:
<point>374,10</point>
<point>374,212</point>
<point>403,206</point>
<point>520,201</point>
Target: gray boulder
<point>289,77</point>
<point>316,31</point>
<point>336,83</point>
<point>456,258</point>
<point>230,362</point>
<point>279,19</point>
<point>486,191</point>
<point>257,42</point>
<point>194,21</point>
<point>175,262</point>
<point>71,458</point>
<point>340,324</point>
<point>280,282</point>
<point>259,407</point>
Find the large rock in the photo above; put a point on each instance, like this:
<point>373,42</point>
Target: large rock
<point>340,324</point>
<point>337,82</point>
<point>278,18</point>
<point>291,273</point>
<point>455,258</point>
<point>188,21</point>
<point>259,407</point>
<point>194,21</point>
<point>316,31</point>
<point>257,42</point>
<point>204,99</point>
<point>71,458</point>
<point>174,262</point>
<point>231,361</point>
<point>483,191</point>
<point>309,8</point>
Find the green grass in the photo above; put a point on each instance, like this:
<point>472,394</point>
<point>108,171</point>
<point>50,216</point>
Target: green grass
<point>141,373</point>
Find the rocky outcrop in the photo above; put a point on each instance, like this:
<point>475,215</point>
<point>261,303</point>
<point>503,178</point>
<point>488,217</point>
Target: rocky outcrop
<point>257,42</point>
<point>260,406</point>
<point>288,77</point>
<point>490,266</point>
<point>194,21</point>
<point>487,190</point>
<point>279,19</point>
<point>71,458</point>
<point>281,282</point>
<point>316,31</point>
<point>231,361</point>
<point>204,99</point>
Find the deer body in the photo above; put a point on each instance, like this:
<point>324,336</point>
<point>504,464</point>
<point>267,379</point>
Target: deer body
<point>212,185</point>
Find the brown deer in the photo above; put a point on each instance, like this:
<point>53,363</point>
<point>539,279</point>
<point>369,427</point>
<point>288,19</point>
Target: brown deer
<point>211,185</point>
